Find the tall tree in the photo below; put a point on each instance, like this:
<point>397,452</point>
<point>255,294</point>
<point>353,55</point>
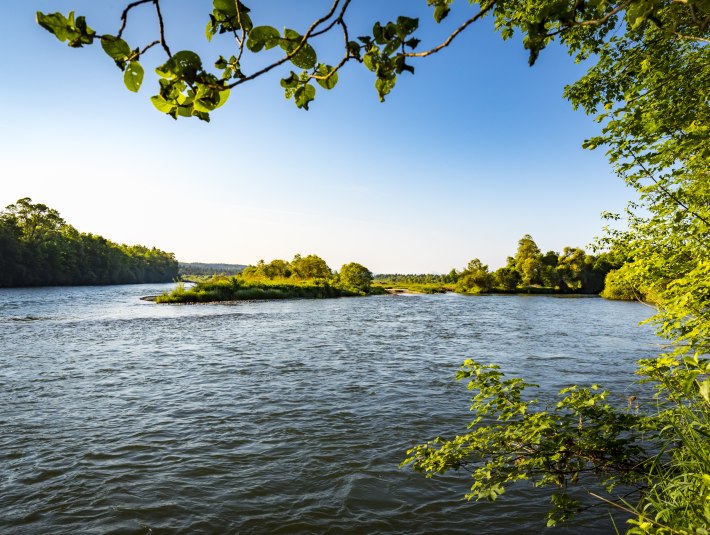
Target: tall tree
<point>528,261</point>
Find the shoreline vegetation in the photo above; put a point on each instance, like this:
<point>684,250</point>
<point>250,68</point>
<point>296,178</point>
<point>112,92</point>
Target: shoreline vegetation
<point>38,248</point>
<point>304,277</point>
<point>528,272</point>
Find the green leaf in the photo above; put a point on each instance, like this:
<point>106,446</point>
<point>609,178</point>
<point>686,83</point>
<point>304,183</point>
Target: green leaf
<point>161,104</point>
<point>331,81</point>
<point>184,64</point>
<point>384,86</point>
<point>76,32</point>
<point>705,390</point>
<point>369,60</point>
<point>304,95</point>
<point>263,37</point>
<point>54,23</point>
<point>441,12</point>
<point>290,82</point>
<point>133,76</point>
<point>116,48</point>
<point>306,57</point>
<point>225,12</point>
<point>406,26</point>
<point>228,7</point>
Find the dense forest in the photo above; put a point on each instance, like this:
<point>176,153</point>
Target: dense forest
<point>38,248</point>
<point>529,270</point>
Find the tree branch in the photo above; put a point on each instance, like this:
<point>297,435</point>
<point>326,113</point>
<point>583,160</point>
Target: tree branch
<point>124,15</point>
<point>485,9</point>
<point>162,28</point>
<point>295,51</point>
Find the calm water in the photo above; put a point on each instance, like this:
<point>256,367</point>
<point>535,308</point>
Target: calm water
<point>121,416</point>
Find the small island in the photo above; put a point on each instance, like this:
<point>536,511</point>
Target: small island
<point>304,277</point>
<point>529,271</point>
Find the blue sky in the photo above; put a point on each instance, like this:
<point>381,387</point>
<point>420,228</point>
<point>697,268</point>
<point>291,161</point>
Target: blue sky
<point>473,151</point>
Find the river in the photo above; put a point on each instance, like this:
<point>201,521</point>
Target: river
<point>121,416</point>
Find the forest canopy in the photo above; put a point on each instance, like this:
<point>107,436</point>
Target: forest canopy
<point>38,248</point>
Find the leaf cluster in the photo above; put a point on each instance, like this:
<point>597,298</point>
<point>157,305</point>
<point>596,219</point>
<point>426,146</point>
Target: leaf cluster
<point>513,438</point>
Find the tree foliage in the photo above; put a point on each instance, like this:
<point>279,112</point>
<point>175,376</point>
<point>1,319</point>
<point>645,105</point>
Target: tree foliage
<point>612,31</point>
<point>356,275</point>
<point>38,248</point>
<point>306,277</point>
<point>301,267</point>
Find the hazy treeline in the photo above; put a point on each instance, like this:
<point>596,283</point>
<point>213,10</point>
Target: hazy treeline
<point>201,269</point>
<point>570,271</point>
<point>38,248</point>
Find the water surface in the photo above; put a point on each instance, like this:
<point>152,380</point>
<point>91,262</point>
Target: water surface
<point>122,416</point>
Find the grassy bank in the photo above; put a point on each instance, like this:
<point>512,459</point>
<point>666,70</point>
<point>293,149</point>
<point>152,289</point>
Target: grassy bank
<point>241,289</point>
<point>442,287</point>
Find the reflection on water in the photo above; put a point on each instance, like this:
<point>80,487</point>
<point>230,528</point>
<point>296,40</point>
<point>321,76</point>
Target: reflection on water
<point>119,415</point>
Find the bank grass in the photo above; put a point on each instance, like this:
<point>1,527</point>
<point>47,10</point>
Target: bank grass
<point>238,288</point>
<point>443,287</point>
<point>414,287</point>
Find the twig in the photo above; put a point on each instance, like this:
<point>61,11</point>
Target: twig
<point>485,9</point>
<point>295,51</point>
<point>162,28</point>
<point>124,15</point>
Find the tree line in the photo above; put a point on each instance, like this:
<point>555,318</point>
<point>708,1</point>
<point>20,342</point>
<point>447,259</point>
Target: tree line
<point>38,248</point>
<point>571,271</point>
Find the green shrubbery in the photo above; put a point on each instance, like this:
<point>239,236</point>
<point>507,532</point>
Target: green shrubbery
<point>305,277</point>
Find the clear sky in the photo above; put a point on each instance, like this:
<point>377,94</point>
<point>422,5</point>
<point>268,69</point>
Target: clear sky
<point>466,156</point>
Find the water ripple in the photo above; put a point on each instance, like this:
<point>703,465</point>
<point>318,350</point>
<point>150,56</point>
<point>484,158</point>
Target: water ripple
<point>120,416</point>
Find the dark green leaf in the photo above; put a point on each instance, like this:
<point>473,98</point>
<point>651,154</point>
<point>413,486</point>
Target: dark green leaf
<point>184,64</point>
<point>291,81</point>
<point>406,26</point>
<point>441,12</point>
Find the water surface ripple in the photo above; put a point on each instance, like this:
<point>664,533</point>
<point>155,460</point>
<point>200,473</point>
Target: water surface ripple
<point>121,416</point>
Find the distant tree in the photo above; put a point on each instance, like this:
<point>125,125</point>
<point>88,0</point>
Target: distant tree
<point>571,267</point>
<point>310,267</point>
<point>452,276</point>
<point>507,278</point>
<point>33,220</point>
<point>475,278</point>
<point>356,275</point>
<point>277,268</point>
<point>548,269</point>
<point>528,261</point>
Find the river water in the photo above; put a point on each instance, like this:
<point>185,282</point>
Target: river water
<point>121,416</point>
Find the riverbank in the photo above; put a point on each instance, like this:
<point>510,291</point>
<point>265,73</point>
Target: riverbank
<point>434,288</point>
<point>241,289</point>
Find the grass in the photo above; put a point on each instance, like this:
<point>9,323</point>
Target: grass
<point>249,289</point>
